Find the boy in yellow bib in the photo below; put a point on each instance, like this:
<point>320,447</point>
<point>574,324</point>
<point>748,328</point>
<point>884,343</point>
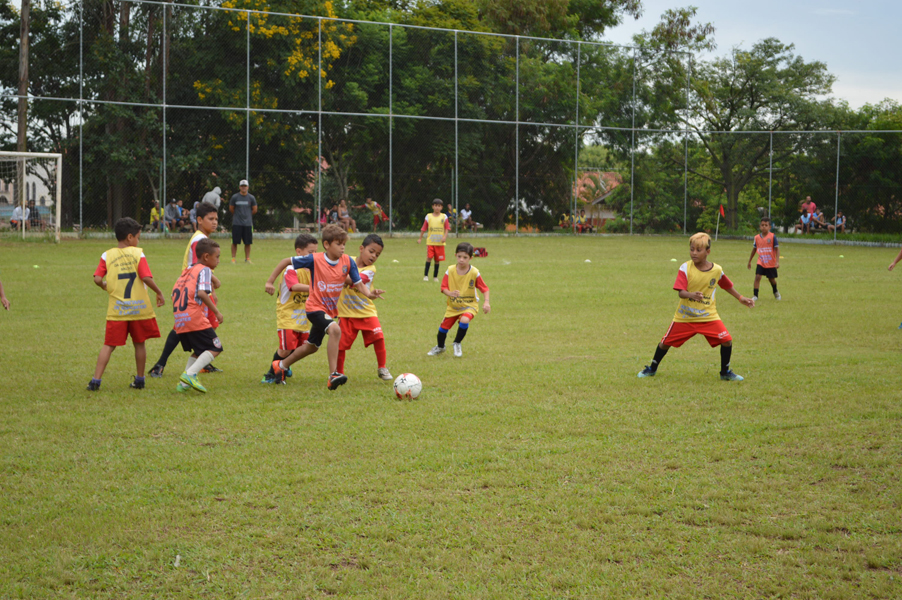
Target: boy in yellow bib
<point>129,311</point>
<point>697,282</point>
<point>437,226</point>
<point>460,285</point>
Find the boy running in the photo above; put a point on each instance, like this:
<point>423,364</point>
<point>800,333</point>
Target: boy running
<point>191,305</point>
<point>460,284</point>
<point>436,223</point>
<point>379,215</point>
<point>291,316</point>
<point>207,221</point>
<point>768,249</point>
<point>697,311</point>
<point>356,312</point>
<point>328,272</point>
<point>129,311</point>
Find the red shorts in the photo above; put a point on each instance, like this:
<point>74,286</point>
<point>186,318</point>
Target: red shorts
<point>436,252</point>
<point>117,332</point>
<point>679,333</point>
<point>289,339</point>
<point>370,327</point>
<point>448,322</point>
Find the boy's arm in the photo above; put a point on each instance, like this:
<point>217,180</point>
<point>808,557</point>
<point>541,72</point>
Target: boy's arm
<point>697,296</point>
<point>300,287</point>
<point>205,298</point>
<point>215,281</point>
<point>747,301</point>
<point>447,229</point>
<point>897,259</point>
<point>371,294</point>
<point>754,250</point>
<point>98,281</point>
<point>149,282</point>
<point>3,297</point>
<point>486,306</point>
<point>270,288</point>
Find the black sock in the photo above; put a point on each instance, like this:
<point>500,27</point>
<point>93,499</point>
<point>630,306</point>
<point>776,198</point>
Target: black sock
<point>426,272</point>
<point>461,333</point>
<point>756,293</point>
<point>659,356</point>
<point>725,353</point>
<point>172,342</point>
<point>435,272</point>
<point>774,285</point>
<point>441,338</point>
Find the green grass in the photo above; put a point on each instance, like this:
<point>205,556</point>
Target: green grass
<point>537,466</point>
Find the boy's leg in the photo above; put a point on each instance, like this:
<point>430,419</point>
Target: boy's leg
<point>205,358</point>
<point>334,333</point>
<point>726,351</point>
<point>381,354</point>
<point>247,252</point>
<point>426,272</point>
<point>103,359</point>
<point>435,271</point>
<point>140,358</point>
<point>462,326</point>
<point>172,342</point>
<point>757,284</point>
<point>773,284</point>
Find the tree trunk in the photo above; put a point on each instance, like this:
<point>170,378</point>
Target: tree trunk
<point>23,76</point>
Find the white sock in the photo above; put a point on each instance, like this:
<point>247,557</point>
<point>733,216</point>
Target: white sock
<point>191,361</point>
<point>202,361</point>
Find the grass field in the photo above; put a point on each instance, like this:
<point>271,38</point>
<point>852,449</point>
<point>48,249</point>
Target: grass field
<point>537,466</point>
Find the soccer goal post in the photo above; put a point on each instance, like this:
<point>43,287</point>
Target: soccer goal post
<point>32,177</point>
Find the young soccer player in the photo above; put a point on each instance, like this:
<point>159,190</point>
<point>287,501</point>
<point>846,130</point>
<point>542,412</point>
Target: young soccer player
<point>129,311</point>
<point>379,215</point>
<point>291,316</point>
<point>768,249</point>
<point>460,284</point>
<point>207,221</point>
<point>3,298</point>
<point>697,312</point>
<point>437,225</point>
<point>356,312</point>
<point>328,272</point>
<point>192,305</point>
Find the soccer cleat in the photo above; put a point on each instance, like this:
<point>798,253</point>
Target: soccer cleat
<point>426,278</point>
<point>157,371</point>
<point>384,373</point>
<point>647,372</point>
<point>755,298</point>
<point>181,387</point>
<point>137,385</point>
<point>233,261</point>
<point>288,372</point>
<point>777,296</point>
<point>93,386</point>
<point>337,379</point>
<point>731,376</point>
<point>247,261</point>
<point>458,351</point>
<point>192,381</point>
<point>271,378</point>
<point>210,369</point>
<point>278,372</point>
<point>436,279</point>
<point>436,351</point>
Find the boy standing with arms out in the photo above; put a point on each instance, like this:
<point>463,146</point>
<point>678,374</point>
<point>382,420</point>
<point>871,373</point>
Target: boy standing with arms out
<point>356,312</point>
<point>191,305</point>
<point>460,284</point>
<point>207,222</point>
<point>437,226</point>
<point>291,316</point>
<point>768,249</point>
<point>129,311</point>
<point>328,272</point>
<point>697,312</point>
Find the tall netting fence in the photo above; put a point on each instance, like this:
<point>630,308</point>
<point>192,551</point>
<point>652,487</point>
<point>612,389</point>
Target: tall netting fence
<point>156,105</point>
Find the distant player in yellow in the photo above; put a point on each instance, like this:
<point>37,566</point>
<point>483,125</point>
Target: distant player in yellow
<point>357,312</point>
<point>292,325</point>
<point>123,273</point>
<point>460,285</point>
<point>437,226</point>
<point>697,282</point>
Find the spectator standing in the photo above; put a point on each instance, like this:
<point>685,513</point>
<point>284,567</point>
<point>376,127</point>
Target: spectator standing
<point>35,219</point>
<point>156,215</point>
<point>213,197</point>
<point>243,206</point>
<point>192,215</point>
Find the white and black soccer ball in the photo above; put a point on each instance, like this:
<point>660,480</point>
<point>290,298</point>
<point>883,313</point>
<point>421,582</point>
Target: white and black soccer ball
<point>408,386</point>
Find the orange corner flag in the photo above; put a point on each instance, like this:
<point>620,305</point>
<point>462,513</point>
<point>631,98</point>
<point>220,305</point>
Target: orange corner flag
<point>721,212</point>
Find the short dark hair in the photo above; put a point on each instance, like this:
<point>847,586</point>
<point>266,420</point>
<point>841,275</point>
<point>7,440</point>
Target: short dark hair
<point>373,239</point>
<point>438,201</point>
<point>765,219</point>
<point>203,210</point>
<point>126,226</point>
<point>304,240</point>
<point>205,246</point>
<point>334,233</point>
<point>465,247</point>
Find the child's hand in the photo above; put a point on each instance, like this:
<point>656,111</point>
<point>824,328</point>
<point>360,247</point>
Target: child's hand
<point>750,302</point>
<point>454,293</point>
<point>697,296</point>
<point>374,294</point>
<point>750,265</point>
<point>487,308</point>
<point>5,302</point>
<point>270,288</point>
<point>219,316</point>
<point>421,239</point>
<point>161,301</point>
<point>892,265</point>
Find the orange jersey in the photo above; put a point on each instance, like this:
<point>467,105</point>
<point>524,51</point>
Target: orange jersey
<point>767,249</point>
<point>190,312</point>
<point>327,278</point>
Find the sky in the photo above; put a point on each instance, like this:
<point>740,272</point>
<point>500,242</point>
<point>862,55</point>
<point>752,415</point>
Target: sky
<point>858,41</point>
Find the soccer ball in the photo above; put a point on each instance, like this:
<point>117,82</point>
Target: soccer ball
<point>408,385</point>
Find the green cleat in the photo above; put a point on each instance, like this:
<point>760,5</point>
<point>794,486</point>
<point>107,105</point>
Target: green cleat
<point>192,381</point>
<point>731,376</point>
<point>181,387</point>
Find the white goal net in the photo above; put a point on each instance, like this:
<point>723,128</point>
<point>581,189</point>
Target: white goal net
<point>31,193</point>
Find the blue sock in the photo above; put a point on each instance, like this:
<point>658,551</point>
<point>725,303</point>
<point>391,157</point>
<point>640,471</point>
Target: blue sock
<point>138,378</point>
<point>97,381</point>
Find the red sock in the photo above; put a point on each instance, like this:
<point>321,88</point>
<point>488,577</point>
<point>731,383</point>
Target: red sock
<point>341,361</point>
<point>379,347</point>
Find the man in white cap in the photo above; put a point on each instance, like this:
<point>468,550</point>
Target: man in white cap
<point>243,206</point>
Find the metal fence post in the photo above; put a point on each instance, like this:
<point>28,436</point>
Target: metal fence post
<point>836,199</point>
<point>247,103</point>
<point>633,146</point>
<point>163,185</point>
<point>391,127</point>
<point>686,143</point>
<point>770,176</point>
<point>517,118</point>
<point>454,183</point>
<point>319,129</point>
<point>576,139</point>
<point>81,117</point>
